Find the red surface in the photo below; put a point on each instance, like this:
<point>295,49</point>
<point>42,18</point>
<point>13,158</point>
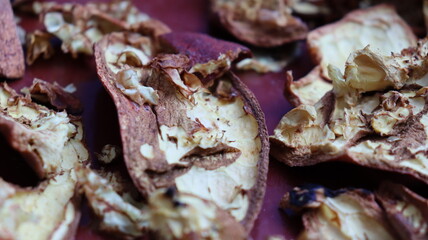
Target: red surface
<point>101,125</point>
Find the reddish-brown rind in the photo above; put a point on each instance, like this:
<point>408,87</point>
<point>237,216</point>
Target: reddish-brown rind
<point>139,123</point>
<point>402,206</point>
<point>11,54</point>
<point>264,31</point>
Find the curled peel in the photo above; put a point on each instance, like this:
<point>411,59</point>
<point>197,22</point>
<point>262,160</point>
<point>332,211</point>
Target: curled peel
<point>380,27</point>
<point>260,23</point>
<point>375,116</point>
<point>189,135</point>
<point>52,144</point>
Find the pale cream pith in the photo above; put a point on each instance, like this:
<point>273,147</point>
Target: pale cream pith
<point>40,214</point>
<point>376,28</point>
<point>56,140</point>
<point>228,123</point>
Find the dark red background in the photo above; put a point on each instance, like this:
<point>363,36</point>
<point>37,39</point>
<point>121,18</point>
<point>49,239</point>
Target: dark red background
<point>101,126</point>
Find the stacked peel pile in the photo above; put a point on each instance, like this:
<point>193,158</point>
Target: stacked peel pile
<point>194,153</point>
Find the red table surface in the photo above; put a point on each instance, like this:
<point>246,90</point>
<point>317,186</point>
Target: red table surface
<point>101,124</point>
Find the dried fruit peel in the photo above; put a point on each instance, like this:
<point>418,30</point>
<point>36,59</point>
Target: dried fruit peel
<point>406,211</point>
<point>11,54</point>
<point>167,214</point>
<point>260,23</point>
<point>79,26</point>
<point>380,27</point>
<point>375,116</point>
<point>392,212</point>
<point>355,213</point>
<point>150,147</point>
<point>52,144</point>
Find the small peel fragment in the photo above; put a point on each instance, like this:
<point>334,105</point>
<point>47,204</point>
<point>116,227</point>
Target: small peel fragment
<point>11,54</point>
<point>375,116</point>
<point>380,27</point>
<point>108,153</point>
<point>38,45</point>
<point>54,96</point>
<point>260,23</point>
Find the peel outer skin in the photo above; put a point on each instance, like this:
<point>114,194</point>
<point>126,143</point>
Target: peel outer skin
<point>130,112</point>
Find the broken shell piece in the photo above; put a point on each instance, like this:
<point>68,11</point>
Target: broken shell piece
<point>50,141</point>
<point>341,214</point>
<point>260,23</point>
<point>406,211</point>
<point>49,211</point>
<point>80,26</point>
<point>375,116</point>
<point>38,44</point>
<point>213,136</point>
<point>11,54</point>
<point>379,27</point>
<point>169,214</point>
